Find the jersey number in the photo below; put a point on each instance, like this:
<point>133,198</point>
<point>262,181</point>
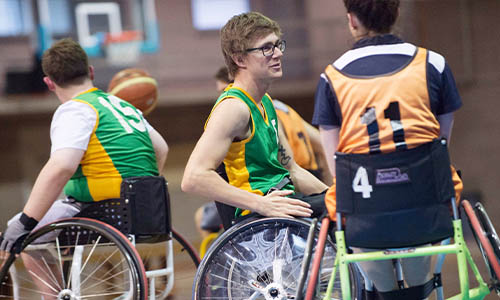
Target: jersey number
<point>360,184</point>
<point>127,111</point>
<point>392,113</point>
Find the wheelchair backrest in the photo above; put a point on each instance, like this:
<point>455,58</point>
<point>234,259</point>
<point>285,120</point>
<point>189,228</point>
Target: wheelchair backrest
<point>142,210</point>
<point>396,199</point>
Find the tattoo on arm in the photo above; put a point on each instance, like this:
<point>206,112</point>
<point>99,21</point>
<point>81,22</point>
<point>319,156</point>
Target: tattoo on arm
<point>283,156</point>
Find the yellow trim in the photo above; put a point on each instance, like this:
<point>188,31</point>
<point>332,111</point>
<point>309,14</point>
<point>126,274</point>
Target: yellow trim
<point>95,110</point>
<point>264,115</point>
<point>253,122</point>
<point>120,86</point>
<point>235,158</point>
<point>101,163</point>
<point>87,91</point>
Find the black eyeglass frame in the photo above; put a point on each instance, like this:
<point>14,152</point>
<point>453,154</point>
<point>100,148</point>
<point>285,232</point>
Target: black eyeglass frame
<point>281,44</point>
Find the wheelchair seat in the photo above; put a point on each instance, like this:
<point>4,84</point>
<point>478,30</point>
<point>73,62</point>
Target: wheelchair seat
<point>143,209</point>
<point>395,200</point>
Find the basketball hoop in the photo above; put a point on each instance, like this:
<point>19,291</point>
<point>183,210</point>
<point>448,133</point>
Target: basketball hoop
<point>123,49</point>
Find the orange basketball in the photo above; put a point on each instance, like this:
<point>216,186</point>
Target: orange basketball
<point>137,87</point>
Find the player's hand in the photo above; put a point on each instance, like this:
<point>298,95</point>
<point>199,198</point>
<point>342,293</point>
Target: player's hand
<point>276,204</point>
<point>15,231</point>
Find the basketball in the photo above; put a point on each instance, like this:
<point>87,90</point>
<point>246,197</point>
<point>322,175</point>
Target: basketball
<point>137,87</point>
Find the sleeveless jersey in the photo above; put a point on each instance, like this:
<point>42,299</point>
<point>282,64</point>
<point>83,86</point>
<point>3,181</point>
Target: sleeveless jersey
<point>387,112</point>
<point>252,164</point>
<point>297,136</point>
<point>119,147</point>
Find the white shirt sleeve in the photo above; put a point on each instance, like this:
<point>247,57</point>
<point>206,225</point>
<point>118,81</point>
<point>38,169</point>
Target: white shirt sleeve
<point>148,126</point>
<point>72,125</point>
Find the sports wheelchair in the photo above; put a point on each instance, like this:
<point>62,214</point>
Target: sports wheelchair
<point>262,258</point>
<point>113,249</point>
<point>422,217</point>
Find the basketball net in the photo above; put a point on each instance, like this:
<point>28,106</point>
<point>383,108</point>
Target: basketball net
<point>123,49</point>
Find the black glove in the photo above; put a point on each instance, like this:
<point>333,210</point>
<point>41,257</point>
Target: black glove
<point>17,228</point>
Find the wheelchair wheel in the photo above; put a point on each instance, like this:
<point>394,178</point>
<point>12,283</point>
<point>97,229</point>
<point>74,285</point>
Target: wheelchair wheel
<point>66,259</point>
<point>171,272</point>
<point>486,238</point>
<point>207,242</point>
<point>262,259</point>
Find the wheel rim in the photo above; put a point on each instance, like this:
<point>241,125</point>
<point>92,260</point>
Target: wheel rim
<point>73,260</point>
<point>261,261</point>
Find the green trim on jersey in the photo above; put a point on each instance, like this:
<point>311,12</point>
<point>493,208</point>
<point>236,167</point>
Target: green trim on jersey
<point>119,147</point>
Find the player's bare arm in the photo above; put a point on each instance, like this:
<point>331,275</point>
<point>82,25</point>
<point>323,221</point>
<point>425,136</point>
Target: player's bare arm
<point>330,140</point>
<point>445,125</point>
<point>319,153</point>
<point>228,122</point>
<point>304,181</point>
<point>161,149</point>
<point>61,165</point>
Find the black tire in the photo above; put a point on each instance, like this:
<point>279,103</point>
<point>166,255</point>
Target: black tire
<point>185,261</point>
<point>263,256</point>
<point>488,227</point>
<point>187,247</point>
<point>47,264</point>
<point>486,238</point>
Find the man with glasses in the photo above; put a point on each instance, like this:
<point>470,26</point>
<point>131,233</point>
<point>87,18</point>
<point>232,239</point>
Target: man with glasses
<point>243,132</point>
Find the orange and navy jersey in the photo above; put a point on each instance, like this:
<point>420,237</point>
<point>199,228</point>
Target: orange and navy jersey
<point>385,95</point>
<point>385,113</point>
<point>296,134</point>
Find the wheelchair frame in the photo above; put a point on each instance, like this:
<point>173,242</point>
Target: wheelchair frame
<point>143,279</point>
<point>458,247</point>
<point>87,230</point>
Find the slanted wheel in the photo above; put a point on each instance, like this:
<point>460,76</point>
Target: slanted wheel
<point>262,259</point>
<point>65,260</point>
<point>172,274</point>
<point>486,238</point>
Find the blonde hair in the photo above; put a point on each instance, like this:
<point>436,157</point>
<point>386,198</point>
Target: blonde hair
<point>240,32</point>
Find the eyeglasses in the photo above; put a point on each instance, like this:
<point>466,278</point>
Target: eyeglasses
<point>268,49</point>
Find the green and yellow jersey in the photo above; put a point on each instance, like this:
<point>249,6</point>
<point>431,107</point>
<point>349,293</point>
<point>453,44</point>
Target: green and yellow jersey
<point>119,147</point>
<point>252,164</point>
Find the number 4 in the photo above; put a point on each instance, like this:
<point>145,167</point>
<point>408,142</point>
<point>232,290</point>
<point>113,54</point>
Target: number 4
<point>360,184</point>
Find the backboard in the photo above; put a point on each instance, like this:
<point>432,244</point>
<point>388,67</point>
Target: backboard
<point>98,24</point>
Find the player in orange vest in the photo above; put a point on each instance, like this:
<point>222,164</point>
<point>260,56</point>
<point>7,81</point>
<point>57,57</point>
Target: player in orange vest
<point>384,95</point>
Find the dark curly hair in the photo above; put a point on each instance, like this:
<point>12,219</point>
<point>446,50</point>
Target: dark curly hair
<point>376,15</point>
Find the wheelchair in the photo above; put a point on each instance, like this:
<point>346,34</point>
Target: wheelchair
<point>426,167</point>
<point>262,258</point>
<point>113,249</point>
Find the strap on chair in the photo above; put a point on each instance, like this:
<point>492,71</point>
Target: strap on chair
<point>418,292</point>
